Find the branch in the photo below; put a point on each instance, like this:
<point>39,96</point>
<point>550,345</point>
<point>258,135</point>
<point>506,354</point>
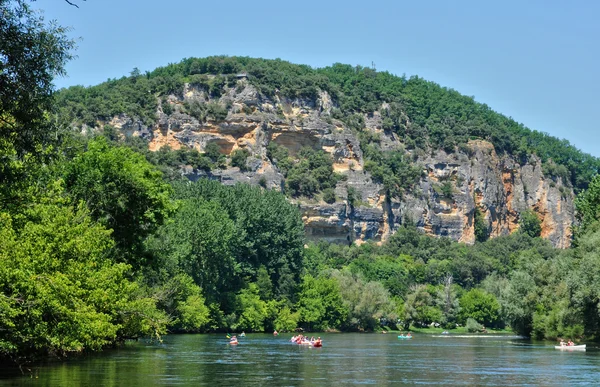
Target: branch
<point>73,4</point>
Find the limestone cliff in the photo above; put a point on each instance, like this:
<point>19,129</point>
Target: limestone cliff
<point>498,186</point>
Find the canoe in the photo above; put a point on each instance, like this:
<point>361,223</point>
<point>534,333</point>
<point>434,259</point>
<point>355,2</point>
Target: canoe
<point>404,337</point>
<point>570,347</point>
<point>233,342</point>
<point>317,344</point>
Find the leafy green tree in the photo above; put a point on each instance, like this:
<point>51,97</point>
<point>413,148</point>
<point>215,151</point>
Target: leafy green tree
<point>183,300</point>
<point>199,241</point>
<point>447,189</point>
<point>122,190</point>
<point>481,229</point>
<point>367,302</point>
<point>393,273</point>
<point>238,159</point>
<point>353,196</point>
<point>419,308</point>
<point>481,306</point>
<point>561,320</point>
<point>212,151</point>
<point>587,205</point>
<point>265,286</point>
<point>320,303</point>
<point>393,170</point>
<point>530,224</point>
<point>448,302</point>
<point>311,174</point>
<point>584,280</point>
<point>253,310</point>
<point>329,195</point>
<point>518,301</point>
<point>286,320</point>
<point>473,326</point>
<point>33,53</point>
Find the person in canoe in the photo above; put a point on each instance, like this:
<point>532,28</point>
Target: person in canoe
<point>275,333</point>
<point>233,340</point>
<point>318,343</point>
<point>562,343</point>
<point>243,334</point>
<point>570,343</point>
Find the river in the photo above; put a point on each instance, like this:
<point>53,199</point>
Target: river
<point>344,359</point>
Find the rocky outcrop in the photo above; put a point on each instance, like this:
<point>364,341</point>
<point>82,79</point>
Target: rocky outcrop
<point>453,187</point>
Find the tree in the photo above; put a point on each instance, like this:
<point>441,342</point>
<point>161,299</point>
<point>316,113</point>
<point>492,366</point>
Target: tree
<point>32,53</point>
<point>320,303</point>
<point>122,190</point>
<point>481,306</point>
<point>200,241</point>
<point>183,300</point>
<point>329,195</point>
<point>518,301</point>
<point>212,151</point>
<point>253,310</point>
<point>367,302</point>
<point>286,320</point>
<point>481,229</point>
<point>265,286</point>
<point>584,280</point>
<point>587,205</point>
<point>530,224</point>
<point>419,307</point>
<point>448,303</point>
<point>238,159</point>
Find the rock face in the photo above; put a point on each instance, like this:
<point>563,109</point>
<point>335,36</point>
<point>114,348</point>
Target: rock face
<point>474,178</point>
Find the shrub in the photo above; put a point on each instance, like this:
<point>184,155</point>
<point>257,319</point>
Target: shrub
<point>473,326</point>
<point>238,159</point>
<point>329,195</point>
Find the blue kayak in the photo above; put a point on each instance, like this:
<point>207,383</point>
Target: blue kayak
<point>402,337</point>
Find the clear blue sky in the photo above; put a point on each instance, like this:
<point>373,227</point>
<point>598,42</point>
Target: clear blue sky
<point>537,61</point>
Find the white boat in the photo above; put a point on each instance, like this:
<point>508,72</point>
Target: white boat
<point>570,347</point>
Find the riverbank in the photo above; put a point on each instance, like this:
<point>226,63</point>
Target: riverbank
<point>459,330</point>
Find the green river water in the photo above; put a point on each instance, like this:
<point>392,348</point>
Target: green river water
<point>344,359</point>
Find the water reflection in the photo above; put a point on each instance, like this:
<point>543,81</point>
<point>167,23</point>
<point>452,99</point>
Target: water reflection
<point>345,359</point>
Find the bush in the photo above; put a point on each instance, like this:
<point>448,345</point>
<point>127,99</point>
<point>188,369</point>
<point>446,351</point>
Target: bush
<point>238,159</point>
<point>329,195</point>
<point>262,182</point>
<point>353,196</point>
<point>447,190</point>
<point>167,108</point>
<point>473,326</point>
<point>530,224</point>
<point>481,229</point>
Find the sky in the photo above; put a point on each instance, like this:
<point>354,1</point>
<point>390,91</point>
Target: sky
<point>536,61</point>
